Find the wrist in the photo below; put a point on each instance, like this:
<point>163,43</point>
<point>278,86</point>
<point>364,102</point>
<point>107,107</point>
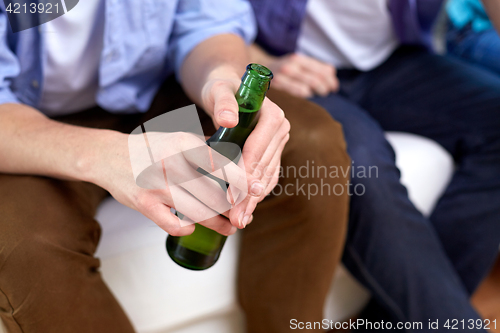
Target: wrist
<point>225,73</point>
<point>258,55</point>
<point>96,158</point>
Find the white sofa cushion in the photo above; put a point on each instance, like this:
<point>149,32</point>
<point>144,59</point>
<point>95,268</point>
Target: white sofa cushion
<point>426,168</point>
<point>155,292</point>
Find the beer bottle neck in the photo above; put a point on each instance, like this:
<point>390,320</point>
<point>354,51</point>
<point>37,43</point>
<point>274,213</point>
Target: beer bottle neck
<point>254,85</point>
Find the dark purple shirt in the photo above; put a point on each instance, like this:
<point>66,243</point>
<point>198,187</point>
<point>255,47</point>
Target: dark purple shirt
<point>279,22</point>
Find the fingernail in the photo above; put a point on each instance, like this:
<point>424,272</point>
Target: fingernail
<point>256,189</point>
<point>251,219</point>
<point>227,115</point>
<point>240,220</point>
<point>245,220</point>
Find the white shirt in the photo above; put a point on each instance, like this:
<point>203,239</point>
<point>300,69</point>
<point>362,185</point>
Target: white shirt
<point>348,33</point>
<point>73,46</point>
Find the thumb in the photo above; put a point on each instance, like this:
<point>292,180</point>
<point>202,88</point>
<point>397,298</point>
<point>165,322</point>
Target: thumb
<point>225,106</point>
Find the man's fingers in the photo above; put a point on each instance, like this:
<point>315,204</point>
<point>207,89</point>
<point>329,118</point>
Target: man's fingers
<point>160,214</point>
<point>268,171</point>
<point>297,71</point>
<point>275,148</point>
<point>272,177</point>
<point>292,86</point>
<point>225,105</point>
<point>271,120</point>
<point>326,73</point>
<point>209,192</point>
<point>317,83</point>
<point>219,224</point>
<point>190,206</point>
<point>197,178</point>
<point>274,181</point>
<point>195,211</point>
<point>214,193</point>
<point>219,167</point>
<point>269,178</point>
<point>237,214</point>
<point>294,70</point>
<point>245,212</point>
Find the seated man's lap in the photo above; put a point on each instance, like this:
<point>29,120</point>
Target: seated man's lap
<point>42,214</point>
<point>296,239</point>
<point>449,101</point>
<point>438,97</point>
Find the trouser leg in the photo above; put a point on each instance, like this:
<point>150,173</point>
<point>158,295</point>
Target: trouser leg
<point>457,105</point>
<point>49,277</point>
<point>479,48</point>
<point>391,247</point>
<point>290,251</point>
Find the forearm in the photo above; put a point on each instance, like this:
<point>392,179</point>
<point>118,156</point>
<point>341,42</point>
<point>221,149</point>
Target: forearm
<point>31,143</point>
<point>220,57</point>
<point>493,9</point>
<point>258,55</point>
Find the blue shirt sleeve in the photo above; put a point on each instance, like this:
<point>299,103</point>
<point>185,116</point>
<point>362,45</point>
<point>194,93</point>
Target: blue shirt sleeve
<point>9,64</point>
<point>198,20</point>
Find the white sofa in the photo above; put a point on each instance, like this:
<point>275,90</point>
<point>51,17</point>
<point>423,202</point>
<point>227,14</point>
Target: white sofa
<point>161,297</point>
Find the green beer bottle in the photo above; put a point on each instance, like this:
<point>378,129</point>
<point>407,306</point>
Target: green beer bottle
<point>202,248</point>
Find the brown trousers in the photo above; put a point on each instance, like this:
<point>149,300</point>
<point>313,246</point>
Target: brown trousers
<point>49,277</point>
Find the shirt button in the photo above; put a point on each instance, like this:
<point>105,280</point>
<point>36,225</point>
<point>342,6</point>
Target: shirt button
<point>35,84</point>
